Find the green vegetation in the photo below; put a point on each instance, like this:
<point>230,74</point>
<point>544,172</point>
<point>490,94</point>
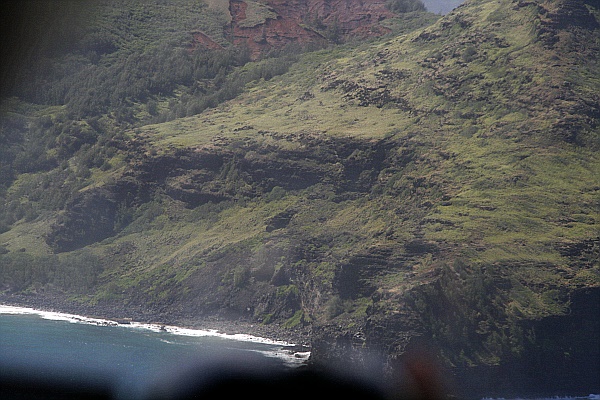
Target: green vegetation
<point>405,6</point>
<point>74,273</point>
<point>256,14</point>
<point>442,182</point>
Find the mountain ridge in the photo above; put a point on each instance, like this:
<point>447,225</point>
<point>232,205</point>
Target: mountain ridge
<point>439,186</point>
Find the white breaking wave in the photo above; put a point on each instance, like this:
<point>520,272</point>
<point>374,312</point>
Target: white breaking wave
<point>292,359</point>
<point>56,316</point>
<point>289,357</point>
<point>241,337</point>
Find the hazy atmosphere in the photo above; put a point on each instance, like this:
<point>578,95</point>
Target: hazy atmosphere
<point>374,197</point>
<point>442,6</point>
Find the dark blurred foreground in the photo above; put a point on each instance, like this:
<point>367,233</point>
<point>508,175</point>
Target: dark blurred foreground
<point>227,376</point>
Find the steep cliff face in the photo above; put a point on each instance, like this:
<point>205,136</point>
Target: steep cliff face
<point>271,25</point>
<point>437,188</point>
<point>196,177</point>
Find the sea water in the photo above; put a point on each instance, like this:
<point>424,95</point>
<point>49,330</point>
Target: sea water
<point>132,357</point>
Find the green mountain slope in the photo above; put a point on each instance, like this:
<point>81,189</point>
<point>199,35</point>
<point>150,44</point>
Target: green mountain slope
<point>438,187</point>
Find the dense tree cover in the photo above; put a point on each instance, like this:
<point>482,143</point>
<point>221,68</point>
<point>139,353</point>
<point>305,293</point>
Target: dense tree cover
<point>121,59</point>
<point>44,158</point>
<point>222,82</point>
<point>77,83</point>
<point>115,84</point>
<point>405,6</point>
<point>76,272</point>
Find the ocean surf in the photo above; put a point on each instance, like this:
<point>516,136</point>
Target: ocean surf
<point>131,356</point>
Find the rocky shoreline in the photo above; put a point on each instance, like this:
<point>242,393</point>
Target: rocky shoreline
<point>299,340</point>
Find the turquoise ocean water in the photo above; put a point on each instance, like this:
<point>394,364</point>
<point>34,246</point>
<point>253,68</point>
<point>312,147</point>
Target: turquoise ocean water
<point>132,357</point>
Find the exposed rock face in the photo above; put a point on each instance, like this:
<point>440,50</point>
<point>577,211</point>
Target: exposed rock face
<point>353,16</point>
<point>563,15</point>
<point>548,356</point>
<point>198,176</point>
<point>91,218</point>
<point>561,349</point>
<point>96,214</point>
<point>203,40</point>
<point>274,24</point>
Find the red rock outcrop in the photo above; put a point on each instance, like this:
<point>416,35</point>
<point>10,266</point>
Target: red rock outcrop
<point>303,21</point>
<point>200,39</point>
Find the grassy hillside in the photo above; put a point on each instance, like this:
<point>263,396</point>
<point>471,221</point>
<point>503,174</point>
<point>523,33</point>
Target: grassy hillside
<point>442,184</point>
<point>503,179</point>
